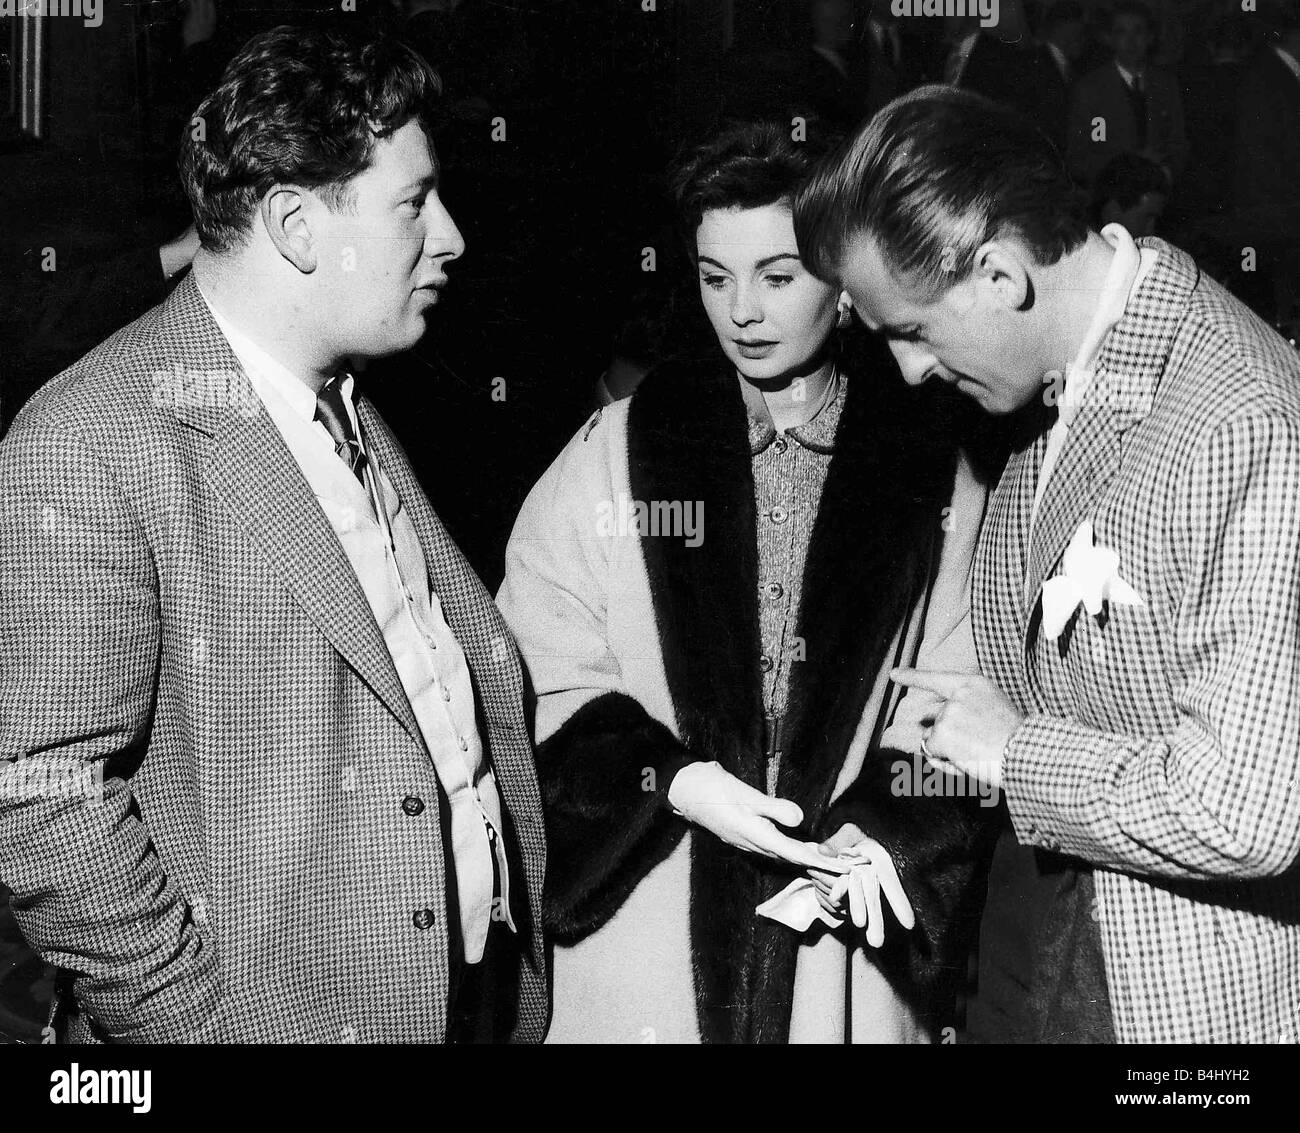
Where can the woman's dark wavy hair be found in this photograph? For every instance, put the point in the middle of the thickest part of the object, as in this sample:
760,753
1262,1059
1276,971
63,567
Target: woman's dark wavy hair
929,179
301,106
745,165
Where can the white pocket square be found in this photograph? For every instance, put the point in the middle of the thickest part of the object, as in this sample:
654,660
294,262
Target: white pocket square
1089,575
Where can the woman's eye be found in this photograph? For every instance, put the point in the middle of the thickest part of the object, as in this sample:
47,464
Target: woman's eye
780,280
715,281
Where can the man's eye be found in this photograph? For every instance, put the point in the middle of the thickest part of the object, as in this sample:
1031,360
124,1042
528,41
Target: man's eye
416,203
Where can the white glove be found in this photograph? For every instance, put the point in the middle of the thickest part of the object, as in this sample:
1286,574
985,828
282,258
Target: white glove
872,873
707,795
820,896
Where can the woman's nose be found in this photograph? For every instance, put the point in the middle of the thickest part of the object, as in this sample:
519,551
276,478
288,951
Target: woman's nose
744,307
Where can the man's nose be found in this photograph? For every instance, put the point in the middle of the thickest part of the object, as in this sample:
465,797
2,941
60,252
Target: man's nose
443,239
916,364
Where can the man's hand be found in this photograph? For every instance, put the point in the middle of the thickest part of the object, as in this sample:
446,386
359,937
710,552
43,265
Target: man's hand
971,730
863,884
713,798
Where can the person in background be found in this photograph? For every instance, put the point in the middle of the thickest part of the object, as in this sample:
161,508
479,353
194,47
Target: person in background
1126,105
1003,63
1267,183
1131,191
1212,79
713,712
836,81
1061,45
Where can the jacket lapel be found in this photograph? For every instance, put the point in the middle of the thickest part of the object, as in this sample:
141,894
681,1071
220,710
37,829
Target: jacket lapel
249,467
1128,373
1086,465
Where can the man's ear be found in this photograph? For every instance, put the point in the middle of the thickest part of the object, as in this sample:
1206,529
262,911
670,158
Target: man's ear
1000,268
284,213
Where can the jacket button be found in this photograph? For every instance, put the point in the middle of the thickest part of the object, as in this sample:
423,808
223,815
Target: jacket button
423,918
413,805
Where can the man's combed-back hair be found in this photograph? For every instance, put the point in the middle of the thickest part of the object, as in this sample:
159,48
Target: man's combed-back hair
929,179
746,165
298,106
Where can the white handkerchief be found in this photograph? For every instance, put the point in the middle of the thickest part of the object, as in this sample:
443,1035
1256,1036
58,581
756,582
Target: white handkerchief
1089,574
796,906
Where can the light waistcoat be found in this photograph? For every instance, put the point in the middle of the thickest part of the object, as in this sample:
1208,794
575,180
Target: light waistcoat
381,544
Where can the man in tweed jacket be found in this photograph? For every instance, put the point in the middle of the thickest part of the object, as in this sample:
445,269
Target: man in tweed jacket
1136,595
200,603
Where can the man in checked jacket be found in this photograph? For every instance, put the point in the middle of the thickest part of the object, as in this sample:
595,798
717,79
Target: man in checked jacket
1136,591
313,815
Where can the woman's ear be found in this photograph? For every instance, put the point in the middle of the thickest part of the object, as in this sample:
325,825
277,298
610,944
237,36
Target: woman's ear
284,215
1000,269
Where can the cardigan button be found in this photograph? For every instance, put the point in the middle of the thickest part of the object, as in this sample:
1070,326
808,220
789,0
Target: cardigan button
765,663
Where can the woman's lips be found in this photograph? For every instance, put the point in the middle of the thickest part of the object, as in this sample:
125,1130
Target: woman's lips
755,348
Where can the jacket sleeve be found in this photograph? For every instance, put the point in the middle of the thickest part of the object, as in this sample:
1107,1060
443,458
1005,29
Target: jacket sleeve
79,648
1217,794
604,764
939,843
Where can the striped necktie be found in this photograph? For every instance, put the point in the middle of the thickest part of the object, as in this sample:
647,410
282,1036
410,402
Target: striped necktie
333,414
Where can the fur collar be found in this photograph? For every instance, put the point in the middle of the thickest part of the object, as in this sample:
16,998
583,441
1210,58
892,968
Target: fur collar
874,545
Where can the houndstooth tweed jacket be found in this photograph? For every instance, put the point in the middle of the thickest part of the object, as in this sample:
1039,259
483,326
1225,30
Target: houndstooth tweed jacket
176,612
1162,742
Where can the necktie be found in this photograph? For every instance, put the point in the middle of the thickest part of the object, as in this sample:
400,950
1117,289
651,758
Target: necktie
1138,100
333,414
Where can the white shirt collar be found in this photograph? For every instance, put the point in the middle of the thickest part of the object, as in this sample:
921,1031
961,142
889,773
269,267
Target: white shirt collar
1129,267
264,370
1292,64
831,57
1062,63
1127,75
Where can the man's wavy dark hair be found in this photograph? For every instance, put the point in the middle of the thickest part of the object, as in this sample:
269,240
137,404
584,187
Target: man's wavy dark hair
297,106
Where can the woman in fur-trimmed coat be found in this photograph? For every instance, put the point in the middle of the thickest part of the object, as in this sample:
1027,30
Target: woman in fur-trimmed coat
802,546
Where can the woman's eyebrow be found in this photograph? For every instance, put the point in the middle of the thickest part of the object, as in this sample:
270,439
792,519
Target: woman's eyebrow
766,261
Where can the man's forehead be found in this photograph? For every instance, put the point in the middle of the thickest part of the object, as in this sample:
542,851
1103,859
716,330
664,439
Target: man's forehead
877,294
406,152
